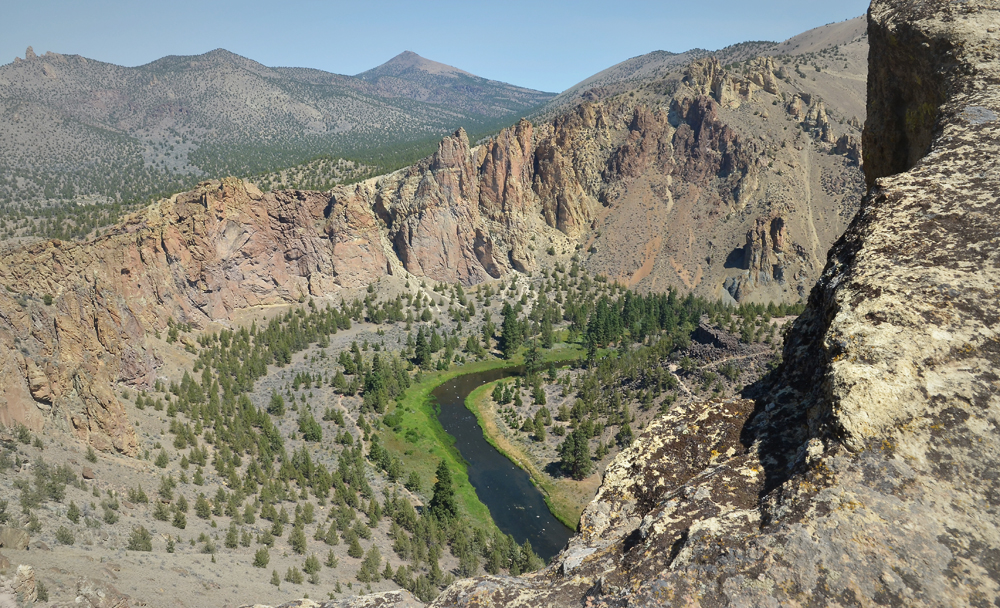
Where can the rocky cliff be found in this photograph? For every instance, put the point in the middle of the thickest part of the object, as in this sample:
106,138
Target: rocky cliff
863,472
76,317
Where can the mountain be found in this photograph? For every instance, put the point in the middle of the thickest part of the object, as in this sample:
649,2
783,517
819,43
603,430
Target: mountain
71,126
410,75
860,472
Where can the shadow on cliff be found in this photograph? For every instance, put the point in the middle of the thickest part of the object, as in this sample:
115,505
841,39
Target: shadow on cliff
790,408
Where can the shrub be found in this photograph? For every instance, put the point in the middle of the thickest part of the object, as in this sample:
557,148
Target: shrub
140,540
294,575
297,539
64,536
73,514
261,558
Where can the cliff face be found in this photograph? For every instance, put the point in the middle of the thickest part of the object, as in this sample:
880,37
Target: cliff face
863,472
195,257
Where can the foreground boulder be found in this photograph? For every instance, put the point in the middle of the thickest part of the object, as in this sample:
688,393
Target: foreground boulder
864,471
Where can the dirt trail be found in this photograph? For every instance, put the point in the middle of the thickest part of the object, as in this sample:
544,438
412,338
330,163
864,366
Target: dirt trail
807,183
673,372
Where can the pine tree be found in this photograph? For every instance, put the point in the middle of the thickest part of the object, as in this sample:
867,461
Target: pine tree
232,536
312,565
73,514
355,549
443,503
574,452
421,351
261,558
297,540
511,332
277,405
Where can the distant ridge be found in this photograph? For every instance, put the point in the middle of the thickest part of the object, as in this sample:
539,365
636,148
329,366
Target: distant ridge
72,127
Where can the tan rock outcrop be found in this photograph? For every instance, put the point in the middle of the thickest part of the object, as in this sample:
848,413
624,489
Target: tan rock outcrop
850,146
761,73
731,89
24,584
386,599
92,593
14,538
764,257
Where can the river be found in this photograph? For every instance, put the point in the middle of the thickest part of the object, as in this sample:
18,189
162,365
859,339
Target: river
516,505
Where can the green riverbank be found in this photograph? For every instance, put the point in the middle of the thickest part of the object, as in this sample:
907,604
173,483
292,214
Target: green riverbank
561,496
421,442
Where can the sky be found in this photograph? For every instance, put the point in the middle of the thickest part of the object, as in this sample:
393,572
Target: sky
545,45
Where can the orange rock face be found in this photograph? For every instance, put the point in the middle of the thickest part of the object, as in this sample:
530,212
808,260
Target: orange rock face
195,257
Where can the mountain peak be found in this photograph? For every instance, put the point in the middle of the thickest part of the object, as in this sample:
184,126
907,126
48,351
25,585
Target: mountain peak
408,61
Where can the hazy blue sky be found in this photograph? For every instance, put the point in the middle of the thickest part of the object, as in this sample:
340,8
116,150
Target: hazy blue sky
538,44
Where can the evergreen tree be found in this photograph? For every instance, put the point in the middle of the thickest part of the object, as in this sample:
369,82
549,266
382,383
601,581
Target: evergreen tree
261,558
574,453
355,549
443,502
436,343
277,405
548,336
421,350
624,436
511,332
297,540
532,358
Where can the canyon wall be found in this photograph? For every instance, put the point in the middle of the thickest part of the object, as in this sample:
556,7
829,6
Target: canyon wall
76,316
863,471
